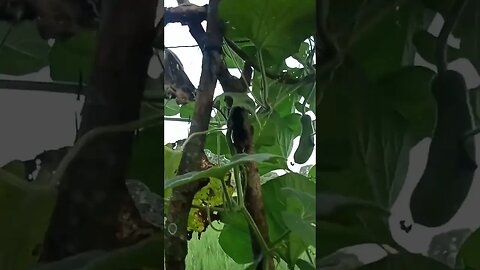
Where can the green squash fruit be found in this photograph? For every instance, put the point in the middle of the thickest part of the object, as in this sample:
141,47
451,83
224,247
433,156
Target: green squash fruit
451,163
306,143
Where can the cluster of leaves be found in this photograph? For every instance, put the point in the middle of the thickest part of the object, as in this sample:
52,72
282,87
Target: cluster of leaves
376,105
289,198
275,108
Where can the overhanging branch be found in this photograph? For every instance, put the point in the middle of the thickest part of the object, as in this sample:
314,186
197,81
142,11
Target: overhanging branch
61,87
185,14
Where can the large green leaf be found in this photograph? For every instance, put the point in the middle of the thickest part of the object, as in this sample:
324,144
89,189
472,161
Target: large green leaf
24,51
298,207
338,208
70,57
26,209
405,261
384,45
235,238
274,134
409,93
217,171
364,131
280,96
268,23
335,236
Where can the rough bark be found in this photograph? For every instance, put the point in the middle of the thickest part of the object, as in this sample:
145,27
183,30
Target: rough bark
94,209
193,158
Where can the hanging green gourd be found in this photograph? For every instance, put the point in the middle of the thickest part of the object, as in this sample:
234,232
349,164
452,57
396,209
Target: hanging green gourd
306,143
451,164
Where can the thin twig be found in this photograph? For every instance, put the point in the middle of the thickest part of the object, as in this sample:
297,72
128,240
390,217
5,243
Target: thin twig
94,134
448,25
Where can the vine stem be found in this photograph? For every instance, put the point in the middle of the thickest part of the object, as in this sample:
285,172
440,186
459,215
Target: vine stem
447,28
255,229
309,96
200,133
264,80
94,134
5,37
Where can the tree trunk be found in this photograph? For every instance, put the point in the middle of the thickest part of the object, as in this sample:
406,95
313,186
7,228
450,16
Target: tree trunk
94,209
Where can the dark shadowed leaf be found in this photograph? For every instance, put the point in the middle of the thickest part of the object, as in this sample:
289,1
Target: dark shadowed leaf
268,23
405,261
24,51
70,57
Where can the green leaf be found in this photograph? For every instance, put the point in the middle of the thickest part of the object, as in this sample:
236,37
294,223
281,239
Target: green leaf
24,51
340,261
186,110
337,236
27,209
300,226
171,107
384,45
76,262
405,261
313,172
278,207
281,97
409,93
146,162
16,167
304,265
217,171
268,23
337,208
469,250
211,143
144,255
300,219
70,57
275,135
361,138
235,237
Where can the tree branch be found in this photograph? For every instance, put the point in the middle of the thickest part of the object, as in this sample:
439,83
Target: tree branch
194,158
185,14
58,87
